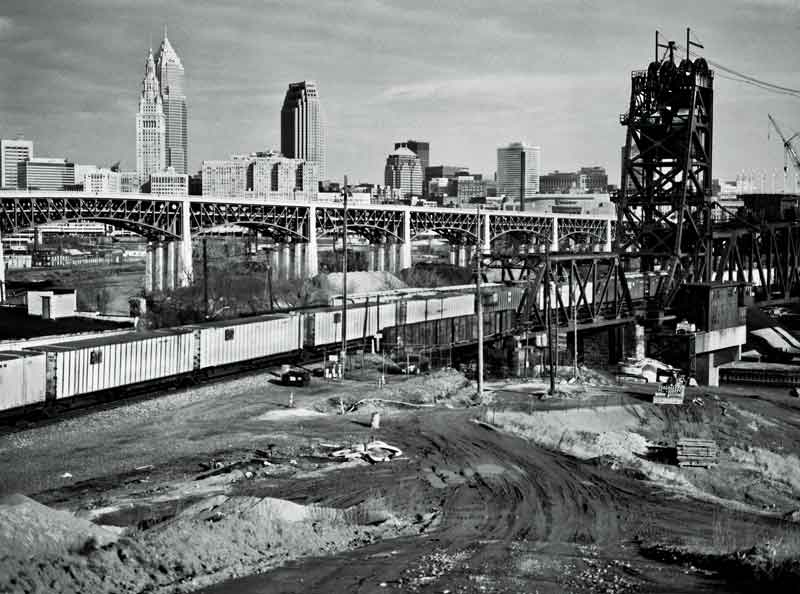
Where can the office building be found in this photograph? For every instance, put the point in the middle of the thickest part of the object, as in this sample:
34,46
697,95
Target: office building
169,183
101,181
225,178
264,175
13,152
271,176
131,181
303,127
518,166
170,75
403,172
422,150
150,124
45,174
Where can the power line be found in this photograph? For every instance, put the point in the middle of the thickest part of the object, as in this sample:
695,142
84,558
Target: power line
737,76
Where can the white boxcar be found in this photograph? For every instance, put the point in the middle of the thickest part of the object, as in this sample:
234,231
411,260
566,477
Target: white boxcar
324,327
22,379
233,341
88,366
455,306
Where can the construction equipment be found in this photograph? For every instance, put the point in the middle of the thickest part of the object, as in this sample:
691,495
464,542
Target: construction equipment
788,147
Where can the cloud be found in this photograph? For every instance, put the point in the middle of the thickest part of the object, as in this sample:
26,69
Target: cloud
6,27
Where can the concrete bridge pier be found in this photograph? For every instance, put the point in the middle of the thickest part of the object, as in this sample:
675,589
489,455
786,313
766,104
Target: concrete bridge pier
148,268
170,276
393,257
312,253
453,255
185,264
298,260
273,261
405,246
158,269
554,236
371,257
462,256
285,265
381,257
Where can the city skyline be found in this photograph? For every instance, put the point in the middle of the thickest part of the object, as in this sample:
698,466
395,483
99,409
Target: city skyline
465,94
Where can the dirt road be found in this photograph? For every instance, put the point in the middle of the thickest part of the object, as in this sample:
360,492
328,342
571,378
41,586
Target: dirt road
512,518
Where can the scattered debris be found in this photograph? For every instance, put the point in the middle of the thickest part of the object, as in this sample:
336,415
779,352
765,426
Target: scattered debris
384,401
374,451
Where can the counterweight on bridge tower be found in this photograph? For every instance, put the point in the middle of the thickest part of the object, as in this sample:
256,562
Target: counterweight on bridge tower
664,203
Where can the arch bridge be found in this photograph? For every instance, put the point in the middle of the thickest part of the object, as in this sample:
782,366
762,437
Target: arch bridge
169,223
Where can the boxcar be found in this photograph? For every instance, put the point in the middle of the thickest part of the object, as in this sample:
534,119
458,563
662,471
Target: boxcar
95,365
22,379
236,341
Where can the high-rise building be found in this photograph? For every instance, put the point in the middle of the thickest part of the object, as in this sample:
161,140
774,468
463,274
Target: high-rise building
150,124
169,71
422,150
13,152
403,172
303,127
518,166
45,174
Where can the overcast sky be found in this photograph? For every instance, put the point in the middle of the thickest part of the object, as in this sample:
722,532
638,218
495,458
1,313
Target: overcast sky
467,76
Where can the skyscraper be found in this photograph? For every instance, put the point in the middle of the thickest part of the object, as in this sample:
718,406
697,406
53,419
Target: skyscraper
421,149
169,71
403,172
518,168
150,124
302,125
13,152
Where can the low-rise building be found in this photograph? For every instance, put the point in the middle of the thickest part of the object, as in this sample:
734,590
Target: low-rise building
169,183
45,174
101,181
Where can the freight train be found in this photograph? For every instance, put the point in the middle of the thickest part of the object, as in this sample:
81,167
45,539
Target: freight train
46,374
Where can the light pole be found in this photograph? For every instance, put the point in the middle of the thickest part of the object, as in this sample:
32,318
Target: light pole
479,299
344,275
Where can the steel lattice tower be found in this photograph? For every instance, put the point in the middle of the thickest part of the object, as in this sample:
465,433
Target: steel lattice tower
664,202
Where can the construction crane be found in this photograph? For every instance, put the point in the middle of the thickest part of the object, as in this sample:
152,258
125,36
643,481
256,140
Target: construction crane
788,147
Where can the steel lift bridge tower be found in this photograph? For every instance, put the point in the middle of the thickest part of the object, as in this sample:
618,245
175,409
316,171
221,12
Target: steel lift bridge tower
664,203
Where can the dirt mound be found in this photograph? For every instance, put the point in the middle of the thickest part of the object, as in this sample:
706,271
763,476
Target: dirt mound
322,287
31,529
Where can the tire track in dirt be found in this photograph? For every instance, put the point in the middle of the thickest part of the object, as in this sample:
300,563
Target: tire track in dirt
494,492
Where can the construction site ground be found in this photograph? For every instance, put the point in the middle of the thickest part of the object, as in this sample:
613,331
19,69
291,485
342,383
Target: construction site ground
226,488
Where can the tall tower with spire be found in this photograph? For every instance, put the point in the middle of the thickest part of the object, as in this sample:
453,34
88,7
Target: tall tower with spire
169,71
150,124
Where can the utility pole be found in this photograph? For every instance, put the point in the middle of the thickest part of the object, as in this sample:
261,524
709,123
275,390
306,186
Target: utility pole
205,275
549,322
344,276
479,299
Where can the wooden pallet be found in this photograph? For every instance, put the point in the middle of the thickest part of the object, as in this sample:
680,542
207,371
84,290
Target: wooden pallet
697,452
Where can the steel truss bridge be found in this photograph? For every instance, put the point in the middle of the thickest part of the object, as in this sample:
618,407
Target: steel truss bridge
166,221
